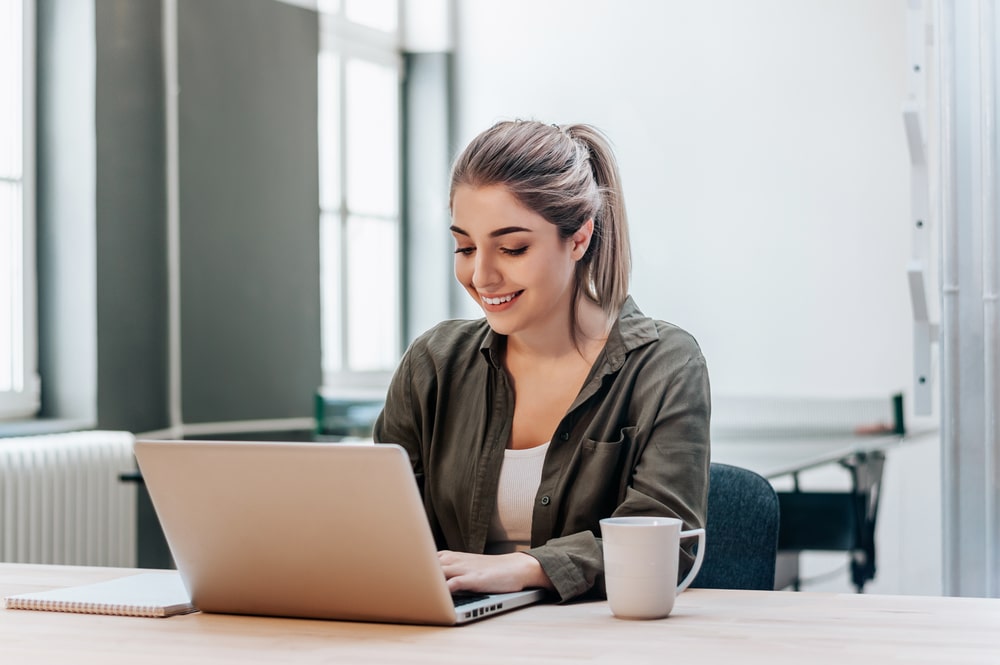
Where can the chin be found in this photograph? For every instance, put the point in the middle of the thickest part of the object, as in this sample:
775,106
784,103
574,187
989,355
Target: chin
503,323
498,326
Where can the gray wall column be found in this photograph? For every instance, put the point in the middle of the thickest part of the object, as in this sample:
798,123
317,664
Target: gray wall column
428,256
249,210
66,209
131,217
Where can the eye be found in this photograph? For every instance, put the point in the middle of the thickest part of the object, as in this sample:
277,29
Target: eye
514,252
465,251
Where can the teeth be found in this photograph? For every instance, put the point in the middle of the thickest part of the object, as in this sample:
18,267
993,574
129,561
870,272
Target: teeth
498,301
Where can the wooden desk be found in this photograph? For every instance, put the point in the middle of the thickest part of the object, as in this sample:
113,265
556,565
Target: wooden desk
707,626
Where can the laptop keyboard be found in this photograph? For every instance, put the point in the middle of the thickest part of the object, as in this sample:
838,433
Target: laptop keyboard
465,597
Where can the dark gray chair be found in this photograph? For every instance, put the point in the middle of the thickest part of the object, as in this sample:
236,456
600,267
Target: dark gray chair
741,531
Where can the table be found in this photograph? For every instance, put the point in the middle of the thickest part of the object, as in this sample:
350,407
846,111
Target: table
777,457
707,626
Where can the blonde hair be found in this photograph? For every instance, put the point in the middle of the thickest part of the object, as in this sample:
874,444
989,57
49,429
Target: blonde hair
568,175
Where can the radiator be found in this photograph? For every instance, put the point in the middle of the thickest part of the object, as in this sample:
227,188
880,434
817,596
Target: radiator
61,501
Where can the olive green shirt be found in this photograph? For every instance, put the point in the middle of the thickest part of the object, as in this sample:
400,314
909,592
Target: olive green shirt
634,442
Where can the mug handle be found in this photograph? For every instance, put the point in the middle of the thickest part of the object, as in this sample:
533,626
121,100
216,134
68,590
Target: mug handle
697,558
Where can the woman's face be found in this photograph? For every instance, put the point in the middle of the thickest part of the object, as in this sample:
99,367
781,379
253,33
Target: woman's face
512,261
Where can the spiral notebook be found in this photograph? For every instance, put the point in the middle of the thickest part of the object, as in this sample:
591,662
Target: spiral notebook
159,594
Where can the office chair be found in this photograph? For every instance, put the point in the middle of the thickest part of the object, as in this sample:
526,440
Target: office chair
741,531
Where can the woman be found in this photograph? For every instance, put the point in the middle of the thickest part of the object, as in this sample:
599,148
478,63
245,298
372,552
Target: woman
564,405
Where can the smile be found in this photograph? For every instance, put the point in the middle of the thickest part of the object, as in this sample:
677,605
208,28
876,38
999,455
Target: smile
500,300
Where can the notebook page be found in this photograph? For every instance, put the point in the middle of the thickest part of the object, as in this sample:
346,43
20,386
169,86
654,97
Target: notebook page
158,594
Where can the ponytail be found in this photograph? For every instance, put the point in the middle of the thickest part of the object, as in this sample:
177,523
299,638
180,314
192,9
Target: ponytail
607,275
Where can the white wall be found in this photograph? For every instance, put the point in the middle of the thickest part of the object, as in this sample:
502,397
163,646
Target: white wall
767,179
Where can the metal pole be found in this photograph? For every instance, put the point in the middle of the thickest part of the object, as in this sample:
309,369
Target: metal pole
991,280
171,92
950,379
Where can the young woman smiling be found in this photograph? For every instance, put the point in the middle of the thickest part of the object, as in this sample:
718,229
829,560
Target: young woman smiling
565,404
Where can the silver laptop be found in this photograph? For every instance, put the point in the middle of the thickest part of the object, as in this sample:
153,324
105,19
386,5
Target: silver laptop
325,531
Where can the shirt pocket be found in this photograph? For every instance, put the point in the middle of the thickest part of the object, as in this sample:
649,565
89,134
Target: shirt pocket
605,448
600,479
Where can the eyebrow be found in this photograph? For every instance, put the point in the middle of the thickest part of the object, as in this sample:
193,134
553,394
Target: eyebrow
495,233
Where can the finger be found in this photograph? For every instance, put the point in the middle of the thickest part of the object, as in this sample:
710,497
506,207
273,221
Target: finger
457,584
451,564
450,571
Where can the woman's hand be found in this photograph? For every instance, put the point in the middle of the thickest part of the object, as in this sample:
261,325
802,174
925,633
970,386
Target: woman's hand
492,573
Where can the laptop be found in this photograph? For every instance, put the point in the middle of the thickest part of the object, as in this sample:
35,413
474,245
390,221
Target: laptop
323,531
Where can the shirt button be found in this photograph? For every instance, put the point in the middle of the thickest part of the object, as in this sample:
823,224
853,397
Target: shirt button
546,500
564,436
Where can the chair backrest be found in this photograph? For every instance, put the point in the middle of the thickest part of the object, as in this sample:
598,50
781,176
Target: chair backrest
741,531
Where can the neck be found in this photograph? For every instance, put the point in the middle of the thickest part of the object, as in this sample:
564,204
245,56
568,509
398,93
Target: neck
584,337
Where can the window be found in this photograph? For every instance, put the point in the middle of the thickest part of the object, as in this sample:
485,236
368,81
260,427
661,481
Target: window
360,229
18,378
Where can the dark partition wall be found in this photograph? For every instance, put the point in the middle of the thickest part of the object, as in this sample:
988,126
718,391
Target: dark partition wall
249,212
249,209
131,201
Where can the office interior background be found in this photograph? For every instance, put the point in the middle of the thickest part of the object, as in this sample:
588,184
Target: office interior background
239,203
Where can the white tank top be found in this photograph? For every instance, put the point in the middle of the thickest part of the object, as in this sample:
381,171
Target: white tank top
510,528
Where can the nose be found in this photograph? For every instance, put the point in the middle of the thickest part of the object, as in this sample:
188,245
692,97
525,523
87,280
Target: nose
485,274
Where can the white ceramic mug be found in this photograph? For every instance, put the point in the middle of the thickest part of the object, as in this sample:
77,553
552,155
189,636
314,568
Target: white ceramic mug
641,564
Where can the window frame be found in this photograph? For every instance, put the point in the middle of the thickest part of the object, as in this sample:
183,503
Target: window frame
24,400
347,41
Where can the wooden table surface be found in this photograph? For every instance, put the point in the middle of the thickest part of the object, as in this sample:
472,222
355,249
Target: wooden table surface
707,626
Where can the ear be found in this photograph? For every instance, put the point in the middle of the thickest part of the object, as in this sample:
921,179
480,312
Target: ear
581,239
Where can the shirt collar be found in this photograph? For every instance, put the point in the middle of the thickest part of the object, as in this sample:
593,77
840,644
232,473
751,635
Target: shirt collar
632,330
492,347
